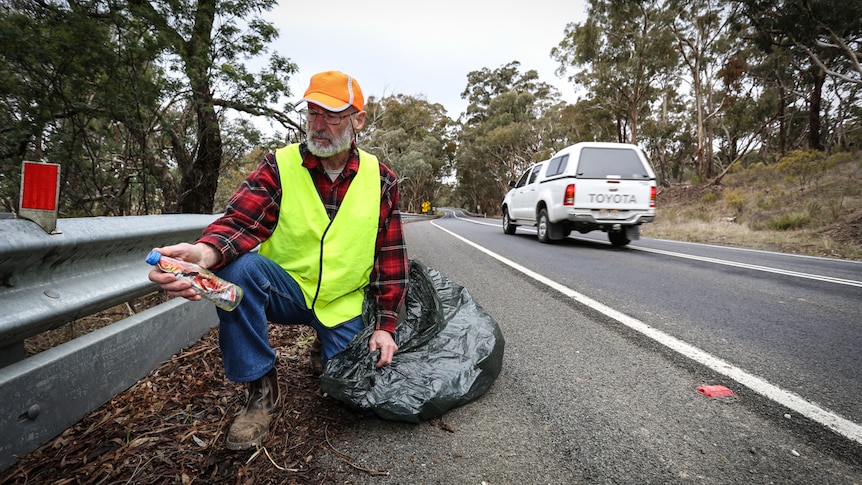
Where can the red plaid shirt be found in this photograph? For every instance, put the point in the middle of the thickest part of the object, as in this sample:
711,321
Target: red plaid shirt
252,214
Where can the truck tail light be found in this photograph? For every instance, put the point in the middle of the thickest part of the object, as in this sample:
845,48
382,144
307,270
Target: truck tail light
652,198
569,198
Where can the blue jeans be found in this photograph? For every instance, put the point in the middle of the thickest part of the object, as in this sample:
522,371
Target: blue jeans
270,294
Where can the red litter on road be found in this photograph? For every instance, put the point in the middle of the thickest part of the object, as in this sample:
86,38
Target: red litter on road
716,392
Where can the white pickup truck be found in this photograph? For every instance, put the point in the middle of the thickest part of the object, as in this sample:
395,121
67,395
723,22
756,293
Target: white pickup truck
585,187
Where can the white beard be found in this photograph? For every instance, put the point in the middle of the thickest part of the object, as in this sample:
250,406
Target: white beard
337,143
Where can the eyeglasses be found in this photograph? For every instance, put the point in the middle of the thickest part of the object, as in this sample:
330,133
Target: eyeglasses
329,118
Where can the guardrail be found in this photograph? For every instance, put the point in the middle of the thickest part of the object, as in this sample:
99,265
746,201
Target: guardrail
48,280
407,217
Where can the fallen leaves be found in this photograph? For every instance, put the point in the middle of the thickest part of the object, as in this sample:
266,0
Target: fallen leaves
169,427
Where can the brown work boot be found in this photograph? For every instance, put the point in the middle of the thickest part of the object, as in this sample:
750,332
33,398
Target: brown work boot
251,427
314,356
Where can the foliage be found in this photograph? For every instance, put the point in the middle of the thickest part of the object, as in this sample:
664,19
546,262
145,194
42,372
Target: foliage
786,222
69,76
147,105
667,138
818,43
413,138
802,167
709,198
504,132
734,199
130,96
245,148
625,55
827,32
707,43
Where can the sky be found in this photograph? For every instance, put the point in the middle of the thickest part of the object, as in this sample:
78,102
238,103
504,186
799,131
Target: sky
422,49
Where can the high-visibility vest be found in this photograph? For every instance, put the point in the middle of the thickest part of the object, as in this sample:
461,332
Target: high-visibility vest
331,260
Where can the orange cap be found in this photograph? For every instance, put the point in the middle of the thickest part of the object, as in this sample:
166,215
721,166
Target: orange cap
334,91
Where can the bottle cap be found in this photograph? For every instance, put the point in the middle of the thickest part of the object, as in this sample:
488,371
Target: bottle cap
154,257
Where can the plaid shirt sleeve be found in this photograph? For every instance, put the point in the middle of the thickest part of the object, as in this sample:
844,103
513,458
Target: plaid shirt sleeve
391,266
252,213
250,216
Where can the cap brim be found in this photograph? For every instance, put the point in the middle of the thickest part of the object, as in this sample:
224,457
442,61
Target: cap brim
324,100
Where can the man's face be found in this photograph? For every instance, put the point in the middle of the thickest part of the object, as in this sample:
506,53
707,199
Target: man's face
328,133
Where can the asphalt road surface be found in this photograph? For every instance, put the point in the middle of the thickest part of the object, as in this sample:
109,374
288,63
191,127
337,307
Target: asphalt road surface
605,349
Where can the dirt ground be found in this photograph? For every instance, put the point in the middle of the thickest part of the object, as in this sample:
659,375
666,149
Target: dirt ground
170,427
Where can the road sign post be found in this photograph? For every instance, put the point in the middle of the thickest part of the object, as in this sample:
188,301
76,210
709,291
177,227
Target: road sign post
40,194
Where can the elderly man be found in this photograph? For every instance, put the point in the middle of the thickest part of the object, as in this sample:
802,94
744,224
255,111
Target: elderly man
325,216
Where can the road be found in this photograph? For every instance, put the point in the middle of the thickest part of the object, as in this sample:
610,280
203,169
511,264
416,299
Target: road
605,350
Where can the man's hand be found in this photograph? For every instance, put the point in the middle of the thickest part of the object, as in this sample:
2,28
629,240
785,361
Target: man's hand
201,254
381,339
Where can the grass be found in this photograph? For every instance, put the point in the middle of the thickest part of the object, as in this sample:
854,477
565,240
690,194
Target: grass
806,203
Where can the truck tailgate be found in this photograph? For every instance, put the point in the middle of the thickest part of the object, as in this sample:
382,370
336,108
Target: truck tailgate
611,198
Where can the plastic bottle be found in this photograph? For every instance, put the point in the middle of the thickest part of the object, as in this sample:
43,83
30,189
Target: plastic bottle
224,294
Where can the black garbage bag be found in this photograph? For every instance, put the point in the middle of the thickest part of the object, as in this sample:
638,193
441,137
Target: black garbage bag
450,351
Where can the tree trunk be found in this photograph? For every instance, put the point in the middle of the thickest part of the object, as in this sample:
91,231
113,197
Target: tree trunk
782,122
700,154
200,184
708,136
198,189
814,108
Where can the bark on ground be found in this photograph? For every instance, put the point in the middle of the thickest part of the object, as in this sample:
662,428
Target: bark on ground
170,427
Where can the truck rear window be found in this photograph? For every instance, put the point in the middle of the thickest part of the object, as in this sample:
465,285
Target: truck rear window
600,163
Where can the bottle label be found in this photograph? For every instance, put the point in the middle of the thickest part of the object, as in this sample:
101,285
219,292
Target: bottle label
224,294
209,287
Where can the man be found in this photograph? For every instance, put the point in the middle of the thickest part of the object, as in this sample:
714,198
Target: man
325,215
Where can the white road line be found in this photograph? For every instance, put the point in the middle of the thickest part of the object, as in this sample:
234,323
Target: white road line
829,279
755,267
827,418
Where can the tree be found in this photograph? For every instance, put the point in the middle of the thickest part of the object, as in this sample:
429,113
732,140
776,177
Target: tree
666,139
704,41
823,38
203,40
131,97
484,85
623,56
79,88
413,138
244,149
565,124
502,134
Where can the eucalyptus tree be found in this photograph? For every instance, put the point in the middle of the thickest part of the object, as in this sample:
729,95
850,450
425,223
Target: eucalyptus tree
78,86
131,96
415,139
623,55
829,32
706,41
205,43
502,133
819,37
244,149
565,124
846,116
666,138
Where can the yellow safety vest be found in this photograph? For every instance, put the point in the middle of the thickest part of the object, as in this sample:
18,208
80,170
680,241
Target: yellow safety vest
331,260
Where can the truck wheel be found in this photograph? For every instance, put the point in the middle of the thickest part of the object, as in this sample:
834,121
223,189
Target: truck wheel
543,227
508,227
618,238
